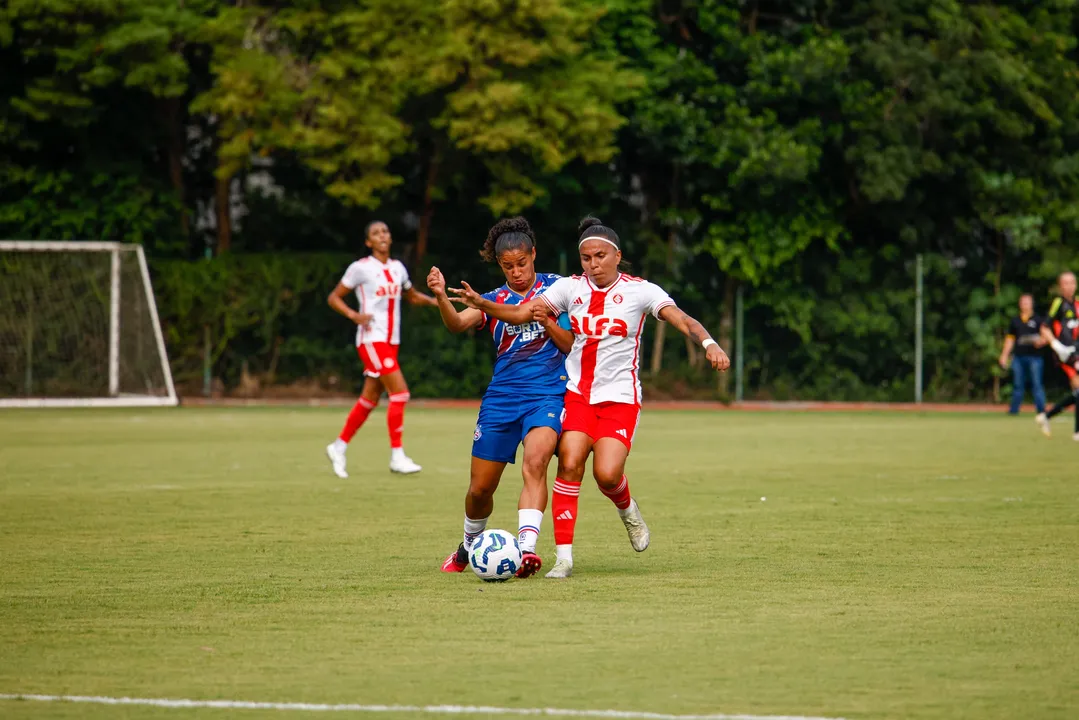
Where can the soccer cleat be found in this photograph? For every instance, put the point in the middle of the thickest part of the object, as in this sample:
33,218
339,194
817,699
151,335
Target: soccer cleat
561,569
1042,420
635,527
530,564
404,466
457,561
1076,437
337,459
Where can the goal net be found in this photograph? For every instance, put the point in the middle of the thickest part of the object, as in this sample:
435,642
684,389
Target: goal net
79,327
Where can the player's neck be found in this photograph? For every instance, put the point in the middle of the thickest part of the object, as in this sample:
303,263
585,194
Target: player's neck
381,257
607,285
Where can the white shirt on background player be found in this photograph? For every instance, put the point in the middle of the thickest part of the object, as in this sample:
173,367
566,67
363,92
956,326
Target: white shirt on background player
604,363
378,288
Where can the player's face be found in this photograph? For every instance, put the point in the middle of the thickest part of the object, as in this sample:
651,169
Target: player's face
1026,305
519,267
378,238
599,260
1067,285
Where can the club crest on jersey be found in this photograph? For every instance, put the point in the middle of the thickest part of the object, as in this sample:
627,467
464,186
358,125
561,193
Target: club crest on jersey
478,434
598,326
617,299
393,290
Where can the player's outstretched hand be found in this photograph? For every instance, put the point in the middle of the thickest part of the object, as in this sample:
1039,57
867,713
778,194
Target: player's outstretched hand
717,358
436,282
466,296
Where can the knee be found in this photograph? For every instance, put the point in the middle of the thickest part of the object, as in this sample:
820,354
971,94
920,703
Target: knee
607,477
571,468
479,490
401,397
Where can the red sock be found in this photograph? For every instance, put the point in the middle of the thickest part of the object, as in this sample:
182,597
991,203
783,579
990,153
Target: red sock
395,418
620,495
564,510
356,418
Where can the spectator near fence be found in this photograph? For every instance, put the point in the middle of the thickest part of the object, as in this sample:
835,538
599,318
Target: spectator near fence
1024,337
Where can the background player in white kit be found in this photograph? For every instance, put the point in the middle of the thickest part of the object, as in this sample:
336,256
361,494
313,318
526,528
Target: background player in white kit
607,309
380,283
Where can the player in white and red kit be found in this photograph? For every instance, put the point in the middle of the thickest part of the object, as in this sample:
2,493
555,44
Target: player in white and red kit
380,284
607,310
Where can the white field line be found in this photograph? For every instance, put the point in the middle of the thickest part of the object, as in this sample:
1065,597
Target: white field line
431,709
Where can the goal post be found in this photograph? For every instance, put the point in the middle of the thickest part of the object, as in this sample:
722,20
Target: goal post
79,327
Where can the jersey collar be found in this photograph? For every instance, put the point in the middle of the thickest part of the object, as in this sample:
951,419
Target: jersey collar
592,285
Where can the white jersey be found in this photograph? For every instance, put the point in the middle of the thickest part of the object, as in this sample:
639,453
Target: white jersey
604,363
379,288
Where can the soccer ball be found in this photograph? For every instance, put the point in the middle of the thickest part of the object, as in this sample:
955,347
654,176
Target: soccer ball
495,555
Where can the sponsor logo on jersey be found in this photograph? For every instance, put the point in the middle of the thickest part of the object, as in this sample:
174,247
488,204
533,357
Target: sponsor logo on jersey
578,301
392,291
598,326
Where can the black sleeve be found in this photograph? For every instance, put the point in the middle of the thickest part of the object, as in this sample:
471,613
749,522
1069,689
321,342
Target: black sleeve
1014,328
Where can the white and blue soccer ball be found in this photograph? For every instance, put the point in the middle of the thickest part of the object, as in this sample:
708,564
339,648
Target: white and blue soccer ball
495,555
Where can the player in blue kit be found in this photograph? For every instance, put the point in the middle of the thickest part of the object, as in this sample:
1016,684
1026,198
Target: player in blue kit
523,402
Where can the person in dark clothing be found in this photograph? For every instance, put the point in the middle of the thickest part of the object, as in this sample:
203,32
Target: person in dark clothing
1025,339
1061,331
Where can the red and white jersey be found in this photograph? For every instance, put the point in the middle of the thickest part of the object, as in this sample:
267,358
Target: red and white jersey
604,363
378,289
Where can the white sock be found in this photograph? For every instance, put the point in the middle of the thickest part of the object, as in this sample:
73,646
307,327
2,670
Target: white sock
528,528
340,445
564,552
397,454
632,506
472,529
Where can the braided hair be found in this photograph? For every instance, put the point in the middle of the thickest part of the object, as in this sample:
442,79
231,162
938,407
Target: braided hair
508,234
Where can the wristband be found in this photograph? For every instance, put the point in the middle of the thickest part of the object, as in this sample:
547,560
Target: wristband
708,343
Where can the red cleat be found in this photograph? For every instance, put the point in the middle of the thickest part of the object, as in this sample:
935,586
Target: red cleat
530,564
457,562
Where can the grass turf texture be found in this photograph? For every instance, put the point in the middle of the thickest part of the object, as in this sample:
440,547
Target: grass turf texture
902,567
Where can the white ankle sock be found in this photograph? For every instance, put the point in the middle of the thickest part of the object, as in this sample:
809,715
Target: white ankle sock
340,445
564,552
397,454
528,528
472,529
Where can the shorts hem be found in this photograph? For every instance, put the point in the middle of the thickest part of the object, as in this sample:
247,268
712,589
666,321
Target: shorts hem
488,458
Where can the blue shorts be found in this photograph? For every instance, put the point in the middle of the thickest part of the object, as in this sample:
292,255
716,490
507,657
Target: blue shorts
504,422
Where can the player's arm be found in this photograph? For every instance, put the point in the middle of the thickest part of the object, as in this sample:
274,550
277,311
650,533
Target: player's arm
1009,343
560,336
336,300
696,332
415,297
511,314
455,320
1062,351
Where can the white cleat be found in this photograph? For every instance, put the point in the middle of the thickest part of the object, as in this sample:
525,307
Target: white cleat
1076,437
562,569
337,459
404,466
635,527
1043,424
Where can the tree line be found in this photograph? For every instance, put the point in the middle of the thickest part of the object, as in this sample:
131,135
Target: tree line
804,151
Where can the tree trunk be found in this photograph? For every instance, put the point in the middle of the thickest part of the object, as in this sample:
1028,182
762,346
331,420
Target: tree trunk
996,303
222,213
428,213
176,147
661,329
726,329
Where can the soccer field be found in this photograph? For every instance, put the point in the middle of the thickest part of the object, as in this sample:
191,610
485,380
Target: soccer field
902,566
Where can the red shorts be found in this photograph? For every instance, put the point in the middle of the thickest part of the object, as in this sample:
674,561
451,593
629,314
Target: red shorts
378,358
1069,370
605,420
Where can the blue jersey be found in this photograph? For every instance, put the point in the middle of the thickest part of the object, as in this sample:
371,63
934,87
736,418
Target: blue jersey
528,363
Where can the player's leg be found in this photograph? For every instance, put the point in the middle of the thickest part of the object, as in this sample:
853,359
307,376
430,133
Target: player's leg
1035,367
1018,376
539,446
615,431
1073,379
372,391
479,503
397,389
573,449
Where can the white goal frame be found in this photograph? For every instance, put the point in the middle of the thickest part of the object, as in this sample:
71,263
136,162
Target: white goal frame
115,399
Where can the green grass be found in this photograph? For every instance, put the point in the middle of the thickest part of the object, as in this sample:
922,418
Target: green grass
902,567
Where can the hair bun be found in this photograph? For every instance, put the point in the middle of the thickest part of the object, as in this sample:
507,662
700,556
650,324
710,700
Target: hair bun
587,223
